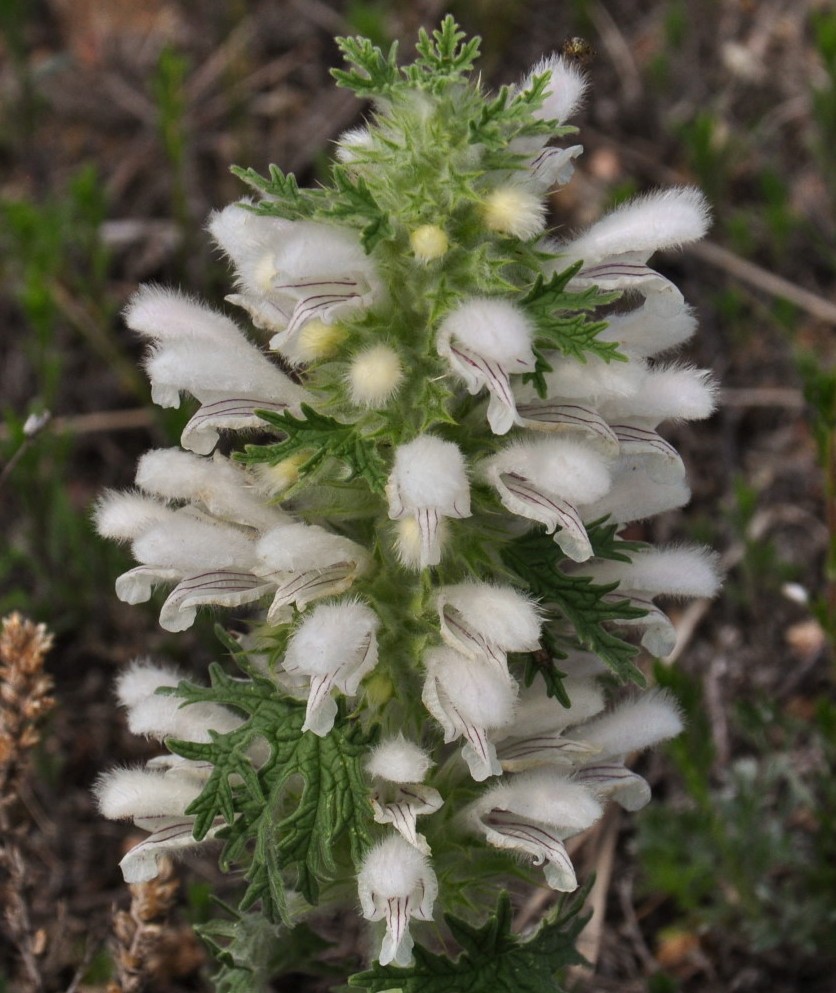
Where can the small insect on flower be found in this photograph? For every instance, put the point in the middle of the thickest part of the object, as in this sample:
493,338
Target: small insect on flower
578,50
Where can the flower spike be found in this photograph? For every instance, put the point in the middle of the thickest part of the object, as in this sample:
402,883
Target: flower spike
409,471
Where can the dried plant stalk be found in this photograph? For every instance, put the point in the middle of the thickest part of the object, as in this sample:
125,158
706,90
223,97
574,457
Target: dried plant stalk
148,949
25,698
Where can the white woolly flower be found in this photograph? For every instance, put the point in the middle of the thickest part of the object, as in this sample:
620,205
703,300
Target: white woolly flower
199,351
293,272
550,165
396,883
162,716
469,698
398,767
215,485
481,619
428,482
208,561
306,563
534,814
333,649
615,250
639,489
156,801
537,735
581,741
575,392
487,340
665,393
676,572
549,481
632,726
205,549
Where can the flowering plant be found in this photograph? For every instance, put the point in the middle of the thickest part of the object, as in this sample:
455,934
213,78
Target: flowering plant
449,416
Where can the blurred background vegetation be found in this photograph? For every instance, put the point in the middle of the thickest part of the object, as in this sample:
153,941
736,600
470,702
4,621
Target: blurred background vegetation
118,121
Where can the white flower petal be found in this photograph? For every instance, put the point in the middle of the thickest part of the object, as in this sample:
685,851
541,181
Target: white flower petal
611,781
140,864
644,225
221,589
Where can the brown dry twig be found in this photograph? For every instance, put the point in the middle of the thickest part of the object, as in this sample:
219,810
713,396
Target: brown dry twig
148,948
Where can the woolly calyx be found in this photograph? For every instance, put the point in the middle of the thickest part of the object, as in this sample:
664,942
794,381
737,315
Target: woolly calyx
318,340
515,211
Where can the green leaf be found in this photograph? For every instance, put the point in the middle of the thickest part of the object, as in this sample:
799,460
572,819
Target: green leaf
583,603
320,438
374,73
443,55
560,317
295,811
354,201
493,959
285,197
603,536
545,663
